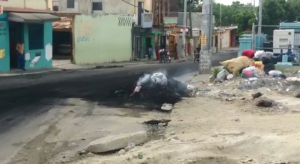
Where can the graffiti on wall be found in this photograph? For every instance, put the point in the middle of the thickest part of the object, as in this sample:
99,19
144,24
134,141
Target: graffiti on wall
85,31
3,30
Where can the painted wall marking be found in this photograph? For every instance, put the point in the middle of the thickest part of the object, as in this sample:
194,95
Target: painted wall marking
82,39
205,60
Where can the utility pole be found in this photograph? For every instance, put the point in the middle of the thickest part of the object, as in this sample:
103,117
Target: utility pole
220,15
211,26
184,29
190,18
206,53
260,16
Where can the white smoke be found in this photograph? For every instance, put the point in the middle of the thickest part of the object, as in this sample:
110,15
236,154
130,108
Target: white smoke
144,79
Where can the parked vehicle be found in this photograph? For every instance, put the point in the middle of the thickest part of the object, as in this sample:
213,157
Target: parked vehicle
164,56
65,49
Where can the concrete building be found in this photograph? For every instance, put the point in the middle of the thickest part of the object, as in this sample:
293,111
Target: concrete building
29,21
87,7
102,33
226,37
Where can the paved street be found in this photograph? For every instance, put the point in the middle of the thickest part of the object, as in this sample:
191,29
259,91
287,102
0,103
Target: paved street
25,99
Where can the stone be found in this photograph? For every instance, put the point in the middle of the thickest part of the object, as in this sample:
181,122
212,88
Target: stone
166,107
173,133
116,142
122,152
130,146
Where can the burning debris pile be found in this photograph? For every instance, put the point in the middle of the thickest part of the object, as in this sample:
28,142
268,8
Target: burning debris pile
160,88
152,91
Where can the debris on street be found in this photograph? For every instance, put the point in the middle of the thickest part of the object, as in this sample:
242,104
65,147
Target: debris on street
256,95
165,122
264,103
167,107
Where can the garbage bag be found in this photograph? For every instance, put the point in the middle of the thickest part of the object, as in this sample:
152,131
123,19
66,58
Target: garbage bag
235,65
254,70
248,53
275,73
247,74
230,76
221,76
159,78
258,54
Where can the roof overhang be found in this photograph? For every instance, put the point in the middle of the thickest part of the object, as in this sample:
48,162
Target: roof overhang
32,17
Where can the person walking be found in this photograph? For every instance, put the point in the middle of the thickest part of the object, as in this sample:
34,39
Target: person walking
20,55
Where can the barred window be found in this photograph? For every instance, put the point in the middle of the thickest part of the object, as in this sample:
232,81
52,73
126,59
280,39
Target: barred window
147,17
283,39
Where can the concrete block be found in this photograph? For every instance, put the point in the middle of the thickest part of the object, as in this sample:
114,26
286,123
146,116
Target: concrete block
116,142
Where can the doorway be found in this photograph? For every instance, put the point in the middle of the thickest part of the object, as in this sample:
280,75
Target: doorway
216,43
15,35
148,45
62,45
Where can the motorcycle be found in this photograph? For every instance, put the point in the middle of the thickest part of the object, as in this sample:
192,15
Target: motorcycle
164,56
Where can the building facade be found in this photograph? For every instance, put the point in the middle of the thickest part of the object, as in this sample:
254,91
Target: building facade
88,7
30,22
102,33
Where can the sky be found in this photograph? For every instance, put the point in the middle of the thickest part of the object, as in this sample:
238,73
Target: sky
228,2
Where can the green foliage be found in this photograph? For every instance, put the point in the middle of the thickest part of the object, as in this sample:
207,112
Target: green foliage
194,4
243,15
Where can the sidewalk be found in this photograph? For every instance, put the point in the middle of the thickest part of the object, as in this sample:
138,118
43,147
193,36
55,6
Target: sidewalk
66,65
227,51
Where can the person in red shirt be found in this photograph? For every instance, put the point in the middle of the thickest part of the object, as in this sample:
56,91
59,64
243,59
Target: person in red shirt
249,53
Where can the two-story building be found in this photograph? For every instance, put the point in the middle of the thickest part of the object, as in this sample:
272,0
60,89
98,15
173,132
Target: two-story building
149,30
30,22
102,33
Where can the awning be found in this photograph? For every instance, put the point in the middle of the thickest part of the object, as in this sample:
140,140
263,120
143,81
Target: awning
32,17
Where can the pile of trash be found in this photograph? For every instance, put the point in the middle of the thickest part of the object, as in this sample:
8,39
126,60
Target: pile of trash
261,65
161,88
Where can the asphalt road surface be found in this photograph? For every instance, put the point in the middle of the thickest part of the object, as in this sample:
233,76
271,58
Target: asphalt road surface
22,103
91,85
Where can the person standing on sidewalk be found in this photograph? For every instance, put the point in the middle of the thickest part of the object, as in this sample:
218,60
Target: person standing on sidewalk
157,50
20,55
150,52
175,52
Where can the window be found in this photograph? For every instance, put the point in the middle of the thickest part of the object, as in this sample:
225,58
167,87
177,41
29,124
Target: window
97,6
70,4
55,8
36,36
55,5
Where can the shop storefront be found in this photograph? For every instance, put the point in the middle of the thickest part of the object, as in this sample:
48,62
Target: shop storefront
34,30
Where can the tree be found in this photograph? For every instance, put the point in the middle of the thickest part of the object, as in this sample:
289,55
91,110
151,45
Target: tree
195,4
243,15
